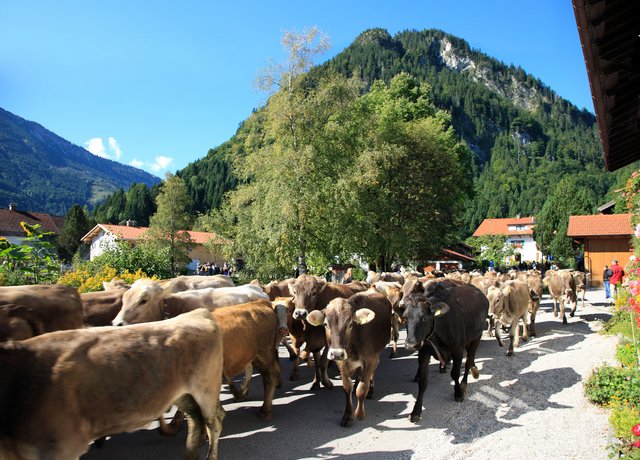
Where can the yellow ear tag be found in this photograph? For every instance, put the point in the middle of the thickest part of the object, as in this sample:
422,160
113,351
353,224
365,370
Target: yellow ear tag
438,312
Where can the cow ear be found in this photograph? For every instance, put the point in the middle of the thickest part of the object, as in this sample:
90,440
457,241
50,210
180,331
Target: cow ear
292,289
316,318
363,316
439,309
322,283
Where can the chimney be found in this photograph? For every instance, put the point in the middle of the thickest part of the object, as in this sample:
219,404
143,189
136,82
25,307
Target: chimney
13,207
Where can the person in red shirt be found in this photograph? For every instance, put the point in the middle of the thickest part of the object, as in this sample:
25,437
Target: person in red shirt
616,276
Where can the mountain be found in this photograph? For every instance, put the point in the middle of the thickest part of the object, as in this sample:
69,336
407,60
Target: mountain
43,172
525,137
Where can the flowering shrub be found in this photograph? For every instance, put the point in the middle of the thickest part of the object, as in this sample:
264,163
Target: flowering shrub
84,281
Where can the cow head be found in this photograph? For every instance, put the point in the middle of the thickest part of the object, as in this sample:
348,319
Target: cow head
305,291
420,314
496,301
140,304
339,321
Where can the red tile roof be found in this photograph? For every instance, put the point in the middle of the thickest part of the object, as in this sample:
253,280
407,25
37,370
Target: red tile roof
130,233
501,226
10,222
600,225
457,255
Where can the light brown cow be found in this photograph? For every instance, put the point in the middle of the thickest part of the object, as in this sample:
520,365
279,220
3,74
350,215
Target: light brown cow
314,293
581,283
393,292
562,288
41,308
356,331
62,390
147,301
509,304
534,282
184,283
276,289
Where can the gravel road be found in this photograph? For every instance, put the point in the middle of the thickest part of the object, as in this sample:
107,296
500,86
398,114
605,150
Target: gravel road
530,405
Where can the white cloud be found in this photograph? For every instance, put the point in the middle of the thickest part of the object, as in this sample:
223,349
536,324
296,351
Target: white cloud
136,163
161,163
113,143
96,146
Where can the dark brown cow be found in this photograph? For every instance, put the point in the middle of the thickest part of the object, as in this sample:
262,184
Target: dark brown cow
45,308
444,322
357,332
59,391
314,293
101,307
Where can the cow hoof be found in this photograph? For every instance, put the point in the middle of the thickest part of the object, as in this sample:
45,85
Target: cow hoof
328,384
443,369
459,398
510,353
475,373
265,416
564,320
279,384
315,386
415,418
555,314
572,314
392,355
346,422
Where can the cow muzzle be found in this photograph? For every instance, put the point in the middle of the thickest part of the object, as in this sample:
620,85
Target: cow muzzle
300,313
337,354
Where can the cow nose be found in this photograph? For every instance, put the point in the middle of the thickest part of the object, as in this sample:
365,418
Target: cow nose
337,354
299,313
118,322
412,346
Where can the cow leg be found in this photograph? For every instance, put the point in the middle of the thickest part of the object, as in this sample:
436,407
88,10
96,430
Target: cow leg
196,425
555,307
244,389
490,324
423,378
395,334
321,374
458,393
575,307
525,331
347,386
470,365
562,315
293,354
270,371
362,391
514,336
497,332
296,361
532,317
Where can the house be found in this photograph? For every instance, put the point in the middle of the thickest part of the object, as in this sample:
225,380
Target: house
518,232
11,229
455,257
103,236
605,237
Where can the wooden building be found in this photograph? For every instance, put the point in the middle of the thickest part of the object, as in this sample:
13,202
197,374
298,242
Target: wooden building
605,237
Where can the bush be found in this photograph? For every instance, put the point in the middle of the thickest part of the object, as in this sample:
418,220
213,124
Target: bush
85,281
623,418
627,355
609,384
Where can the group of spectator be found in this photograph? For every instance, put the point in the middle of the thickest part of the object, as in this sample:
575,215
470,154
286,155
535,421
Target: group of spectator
208,268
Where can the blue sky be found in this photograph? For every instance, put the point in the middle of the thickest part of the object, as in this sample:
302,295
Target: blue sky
156,84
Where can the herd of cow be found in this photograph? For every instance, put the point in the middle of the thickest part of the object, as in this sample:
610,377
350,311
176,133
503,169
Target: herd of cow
70,376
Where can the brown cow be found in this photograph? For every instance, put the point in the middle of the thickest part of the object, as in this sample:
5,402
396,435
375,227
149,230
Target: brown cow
509,304
250,334
393,291
62,390
101,307
534,281
42,308
356,330
276,289
314,293
185,283
562,288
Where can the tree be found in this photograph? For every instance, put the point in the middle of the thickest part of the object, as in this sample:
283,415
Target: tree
404,192
169,225
139,205
491,247
76,225
33,262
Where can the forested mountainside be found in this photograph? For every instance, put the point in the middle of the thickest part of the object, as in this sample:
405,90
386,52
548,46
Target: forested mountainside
43,172
525,137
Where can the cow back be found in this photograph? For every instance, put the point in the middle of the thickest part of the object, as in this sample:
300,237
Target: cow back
56,307
101,307
372,337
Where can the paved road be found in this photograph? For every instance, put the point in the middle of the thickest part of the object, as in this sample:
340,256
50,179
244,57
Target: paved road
529,405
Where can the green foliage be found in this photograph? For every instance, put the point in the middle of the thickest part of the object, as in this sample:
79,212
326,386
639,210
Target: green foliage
626,353
76,225
609,384
623,418
137,204
491,247
33,262
168,226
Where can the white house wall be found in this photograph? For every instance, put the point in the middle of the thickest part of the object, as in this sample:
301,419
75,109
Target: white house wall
100,243
528,250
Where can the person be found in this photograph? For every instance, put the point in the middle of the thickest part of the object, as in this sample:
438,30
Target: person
606,275
616,276
348,276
